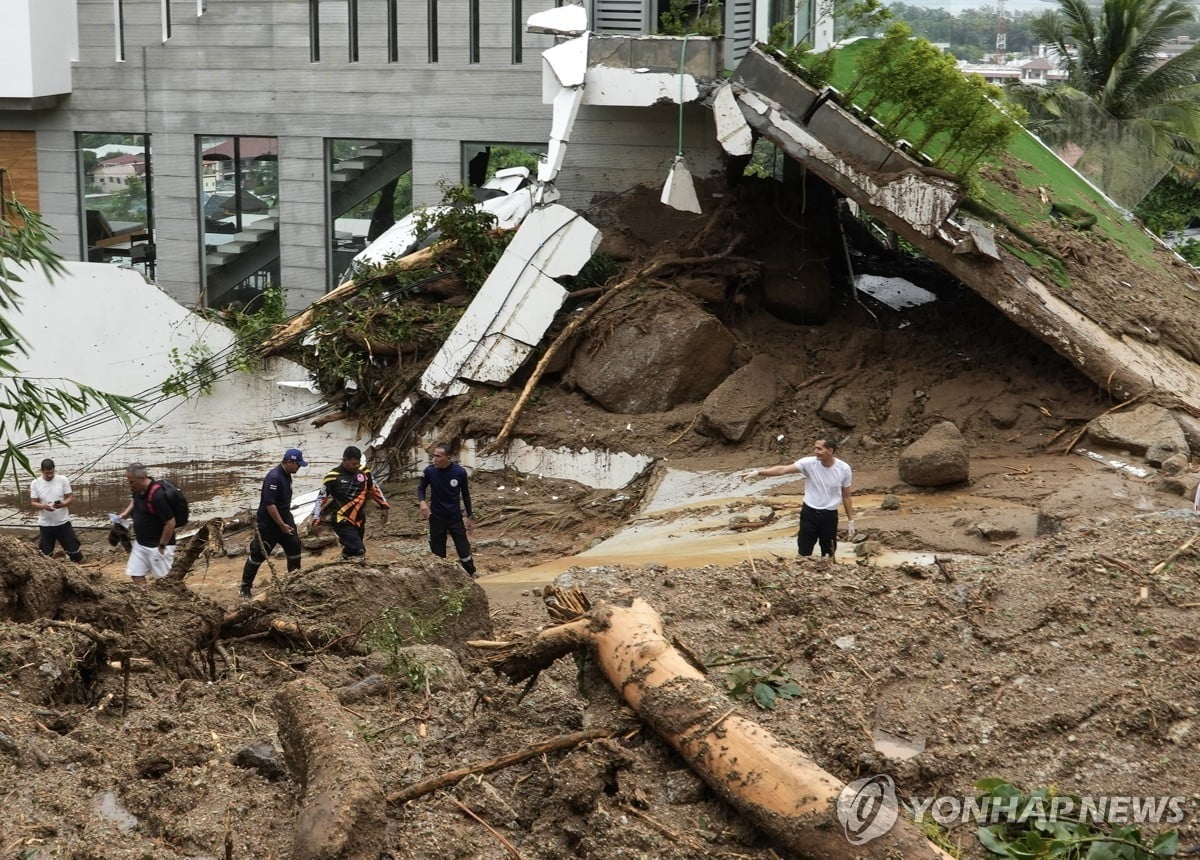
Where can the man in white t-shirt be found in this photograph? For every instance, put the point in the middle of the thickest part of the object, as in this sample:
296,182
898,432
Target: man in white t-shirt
826,486
51,496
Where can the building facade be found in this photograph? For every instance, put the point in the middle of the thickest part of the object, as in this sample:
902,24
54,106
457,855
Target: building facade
265,124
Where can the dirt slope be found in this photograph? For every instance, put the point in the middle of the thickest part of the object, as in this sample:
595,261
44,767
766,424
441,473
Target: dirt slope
1068,660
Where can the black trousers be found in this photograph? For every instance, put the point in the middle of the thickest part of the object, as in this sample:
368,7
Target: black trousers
817,525
64,534
351,537
457,529
268,537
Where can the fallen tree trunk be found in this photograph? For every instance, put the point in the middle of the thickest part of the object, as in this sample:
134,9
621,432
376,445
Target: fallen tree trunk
783,791
300,323
344,813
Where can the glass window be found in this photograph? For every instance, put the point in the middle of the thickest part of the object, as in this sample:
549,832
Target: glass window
239,210
369,189
115,183
482,160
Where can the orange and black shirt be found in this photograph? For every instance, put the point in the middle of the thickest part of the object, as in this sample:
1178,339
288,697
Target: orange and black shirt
344,496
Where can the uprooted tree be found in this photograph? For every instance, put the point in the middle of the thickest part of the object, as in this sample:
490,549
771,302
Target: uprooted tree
778,787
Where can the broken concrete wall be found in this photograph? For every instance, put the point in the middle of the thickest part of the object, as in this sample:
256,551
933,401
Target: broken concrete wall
106,327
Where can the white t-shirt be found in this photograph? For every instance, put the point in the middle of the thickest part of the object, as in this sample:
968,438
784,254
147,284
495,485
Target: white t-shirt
49,492
823,484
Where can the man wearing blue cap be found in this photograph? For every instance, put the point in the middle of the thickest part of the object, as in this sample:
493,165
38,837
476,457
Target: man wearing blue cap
274,524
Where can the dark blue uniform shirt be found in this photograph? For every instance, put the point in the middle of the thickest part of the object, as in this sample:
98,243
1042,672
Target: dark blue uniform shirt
277,491
445,486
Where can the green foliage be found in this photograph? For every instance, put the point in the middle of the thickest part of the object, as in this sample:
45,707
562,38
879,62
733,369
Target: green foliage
851,17
252,324
1190,251
971,33
918,93
596,272
478,245
398,629
32,406
1031,831
1170,206
763,688
195,370
691,17
1132,116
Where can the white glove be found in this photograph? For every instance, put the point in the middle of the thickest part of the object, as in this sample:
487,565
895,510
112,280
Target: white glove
850,530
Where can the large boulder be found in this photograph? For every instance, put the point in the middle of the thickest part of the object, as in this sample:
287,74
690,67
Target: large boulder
651,354
1146,429
936,459
734,407
844,408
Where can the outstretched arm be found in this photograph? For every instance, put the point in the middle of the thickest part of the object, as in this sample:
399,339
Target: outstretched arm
771,471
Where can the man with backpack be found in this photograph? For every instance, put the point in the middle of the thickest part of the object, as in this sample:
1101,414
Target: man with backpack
157,508
274,523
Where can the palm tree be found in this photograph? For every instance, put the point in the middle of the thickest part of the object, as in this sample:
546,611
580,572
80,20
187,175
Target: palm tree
1118,102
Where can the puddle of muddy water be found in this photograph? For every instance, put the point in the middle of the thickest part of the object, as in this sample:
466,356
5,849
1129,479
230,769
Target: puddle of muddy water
686,523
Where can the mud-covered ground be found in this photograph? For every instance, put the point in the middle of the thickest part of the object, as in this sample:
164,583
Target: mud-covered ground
956,644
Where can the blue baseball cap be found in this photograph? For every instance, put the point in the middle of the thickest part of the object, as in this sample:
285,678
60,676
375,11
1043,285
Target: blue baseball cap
294,454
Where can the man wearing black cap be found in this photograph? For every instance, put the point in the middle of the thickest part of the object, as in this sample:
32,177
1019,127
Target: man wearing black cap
50,495
274,524
343,502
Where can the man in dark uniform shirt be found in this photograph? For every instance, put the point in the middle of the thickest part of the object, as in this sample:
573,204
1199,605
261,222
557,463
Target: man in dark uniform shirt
447,482
274,524
343,502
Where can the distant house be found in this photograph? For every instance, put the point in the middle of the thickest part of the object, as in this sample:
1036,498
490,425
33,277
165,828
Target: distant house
113,174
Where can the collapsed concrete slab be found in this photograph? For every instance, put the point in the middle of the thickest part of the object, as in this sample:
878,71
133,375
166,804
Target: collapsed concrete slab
919,204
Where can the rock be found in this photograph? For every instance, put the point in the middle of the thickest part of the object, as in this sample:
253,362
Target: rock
844,408
436,663
1076,498
261,756
1166,449
1139,430
707,289
734,407
1190,427
1174,464
652,355
991,531
890,502
937,459
1003,414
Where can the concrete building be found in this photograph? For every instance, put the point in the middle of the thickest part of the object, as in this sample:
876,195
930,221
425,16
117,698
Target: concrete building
298,113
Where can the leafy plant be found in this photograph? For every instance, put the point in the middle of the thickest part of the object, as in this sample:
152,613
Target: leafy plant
195,370
762,688
691,17
477,244
396,629
35,406
1038,825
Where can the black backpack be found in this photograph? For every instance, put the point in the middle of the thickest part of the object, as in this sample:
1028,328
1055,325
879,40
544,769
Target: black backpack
175,498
